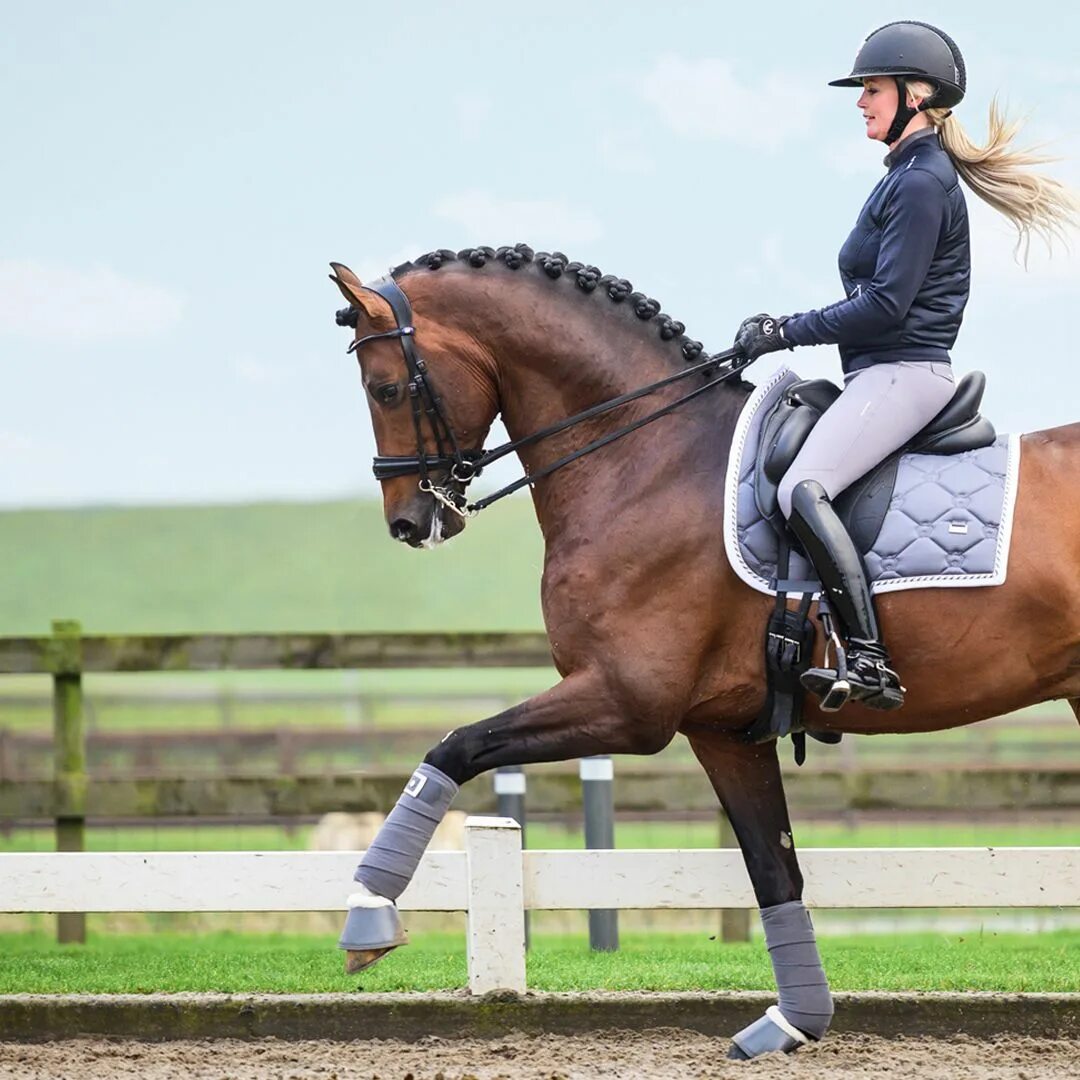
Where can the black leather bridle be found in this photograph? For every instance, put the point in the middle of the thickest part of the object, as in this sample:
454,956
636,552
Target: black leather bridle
460,466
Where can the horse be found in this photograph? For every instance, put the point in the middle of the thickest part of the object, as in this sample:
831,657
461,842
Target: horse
651,631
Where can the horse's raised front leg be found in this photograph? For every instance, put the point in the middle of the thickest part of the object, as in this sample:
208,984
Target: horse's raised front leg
747,780
579,717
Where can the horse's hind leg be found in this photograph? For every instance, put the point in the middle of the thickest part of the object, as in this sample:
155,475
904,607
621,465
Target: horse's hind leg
1075,703
747,780
579,717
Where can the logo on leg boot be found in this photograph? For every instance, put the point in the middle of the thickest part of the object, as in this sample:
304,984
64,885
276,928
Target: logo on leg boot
416,784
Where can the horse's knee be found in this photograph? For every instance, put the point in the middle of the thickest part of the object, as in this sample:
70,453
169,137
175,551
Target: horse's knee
453,757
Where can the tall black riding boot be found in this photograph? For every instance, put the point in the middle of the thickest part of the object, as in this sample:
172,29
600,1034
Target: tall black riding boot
843,576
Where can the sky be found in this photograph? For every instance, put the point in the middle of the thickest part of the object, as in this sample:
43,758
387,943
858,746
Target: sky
175,178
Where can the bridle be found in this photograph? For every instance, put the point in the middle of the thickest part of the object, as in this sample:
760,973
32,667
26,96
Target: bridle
460,466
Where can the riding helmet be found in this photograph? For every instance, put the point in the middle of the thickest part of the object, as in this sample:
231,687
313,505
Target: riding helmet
913,49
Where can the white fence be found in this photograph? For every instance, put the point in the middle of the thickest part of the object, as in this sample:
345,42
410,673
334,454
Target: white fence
494,881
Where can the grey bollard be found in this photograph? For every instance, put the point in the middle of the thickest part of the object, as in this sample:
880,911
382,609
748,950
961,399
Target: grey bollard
510,802
597,776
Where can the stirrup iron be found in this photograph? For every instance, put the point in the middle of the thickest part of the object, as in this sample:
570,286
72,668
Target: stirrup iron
837,695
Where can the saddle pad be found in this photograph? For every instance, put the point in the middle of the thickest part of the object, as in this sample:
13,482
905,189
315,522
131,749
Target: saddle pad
948,525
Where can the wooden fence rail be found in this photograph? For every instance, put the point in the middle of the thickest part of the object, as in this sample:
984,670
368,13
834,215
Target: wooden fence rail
495,882
67,654
637,789
69,796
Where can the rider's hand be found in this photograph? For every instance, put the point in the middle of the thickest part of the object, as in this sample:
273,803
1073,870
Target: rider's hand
761,334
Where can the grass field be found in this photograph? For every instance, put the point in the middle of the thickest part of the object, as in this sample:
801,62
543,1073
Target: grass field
327,566
31,963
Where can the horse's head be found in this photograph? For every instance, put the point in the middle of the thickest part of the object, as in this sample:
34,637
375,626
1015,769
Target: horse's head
432,395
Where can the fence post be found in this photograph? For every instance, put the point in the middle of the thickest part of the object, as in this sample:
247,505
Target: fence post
509,783
496,916
734,922
69,759
597,776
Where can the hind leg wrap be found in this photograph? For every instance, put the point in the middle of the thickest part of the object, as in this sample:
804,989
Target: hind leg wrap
390,863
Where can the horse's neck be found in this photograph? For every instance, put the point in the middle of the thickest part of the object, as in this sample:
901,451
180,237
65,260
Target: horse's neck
560,366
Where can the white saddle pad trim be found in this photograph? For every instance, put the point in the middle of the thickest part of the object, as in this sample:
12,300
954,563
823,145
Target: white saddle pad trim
931,581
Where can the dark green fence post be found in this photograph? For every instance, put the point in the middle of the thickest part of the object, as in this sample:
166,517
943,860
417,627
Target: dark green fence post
734,922
69,759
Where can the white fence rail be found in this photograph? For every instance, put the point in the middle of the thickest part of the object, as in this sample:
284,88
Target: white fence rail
494,881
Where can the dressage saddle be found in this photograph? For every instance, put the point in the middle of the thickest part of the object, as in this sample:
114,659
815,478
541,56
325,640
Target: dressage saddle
789,635
957,428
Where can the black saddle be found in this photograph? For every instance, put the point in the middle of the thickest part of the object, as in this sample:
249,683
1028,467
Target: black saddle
958,427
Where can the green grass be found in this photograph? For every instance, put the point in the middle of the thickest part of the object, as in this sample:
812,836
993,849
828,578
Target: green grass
31,963
327,566
628,834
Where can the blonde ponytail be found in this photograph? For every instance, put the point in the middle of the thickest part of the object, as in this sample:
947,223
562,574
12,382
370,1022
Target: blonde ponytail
1002,175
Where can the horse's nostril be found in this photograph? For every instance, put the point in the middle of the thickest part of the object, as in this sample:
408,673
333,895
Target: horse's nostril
403,529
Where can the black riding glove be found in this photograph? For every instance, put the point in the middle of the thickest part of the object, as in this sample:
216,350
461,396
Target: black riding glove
761,334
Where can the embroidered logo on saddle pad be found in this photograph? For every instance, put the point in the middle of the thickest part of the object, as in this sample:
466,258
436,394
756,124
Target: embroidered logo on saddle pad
947,525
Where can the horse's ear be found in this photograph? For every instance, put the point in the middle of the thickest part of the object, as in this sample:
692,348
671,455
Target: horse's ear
353,291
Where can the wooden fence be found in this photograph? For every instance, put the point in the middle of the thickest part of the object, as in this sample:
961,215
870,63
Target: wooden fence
495,883
70,795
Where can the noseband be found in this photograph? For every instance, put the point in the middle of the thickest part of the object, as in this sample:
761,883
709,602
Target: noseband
461,467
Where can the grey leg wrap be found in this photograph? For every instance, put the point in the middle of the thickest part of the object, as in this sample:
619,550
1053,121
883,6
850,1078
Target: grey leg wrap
389,864
805,1007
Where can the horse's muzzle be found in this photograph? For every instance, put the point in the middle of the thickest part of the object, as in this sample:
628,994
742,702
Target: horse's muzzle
422,523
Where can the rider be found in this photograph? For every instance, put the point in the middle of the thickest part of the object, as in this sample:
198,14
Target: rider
905,270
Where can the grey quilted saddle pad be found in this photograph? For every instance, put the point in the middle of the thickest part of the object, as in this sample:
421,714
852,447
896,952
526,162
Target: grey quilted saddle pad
948,525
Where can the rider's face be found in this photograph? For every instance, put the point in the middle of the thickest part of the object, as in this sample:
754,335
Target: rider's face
878,106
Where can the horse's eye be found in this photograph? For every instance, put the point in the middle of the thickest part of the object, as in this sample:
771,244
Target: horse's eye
387,394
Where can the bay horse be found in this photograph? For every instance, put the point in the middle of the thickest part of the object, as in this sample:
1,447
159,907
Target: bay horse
651,631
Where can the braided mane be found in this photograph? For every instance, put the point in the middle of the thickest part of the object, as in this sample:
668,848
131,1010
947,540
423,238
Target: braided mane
555,265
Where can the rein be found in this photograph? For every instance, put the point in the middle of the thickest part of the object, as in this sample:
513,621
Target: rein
463,466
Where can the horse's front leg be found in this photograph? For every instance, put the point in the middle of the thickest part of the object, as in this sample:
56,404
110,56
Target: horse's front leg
581,716
748,782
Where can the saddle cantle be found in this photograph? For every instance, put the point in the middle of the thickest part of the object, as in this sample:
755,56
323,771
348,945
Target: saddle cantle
957,428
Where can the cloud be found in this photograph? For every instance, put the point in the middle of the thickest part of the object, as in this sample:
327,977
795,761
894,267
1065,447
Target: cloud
56,302
486,218
704,99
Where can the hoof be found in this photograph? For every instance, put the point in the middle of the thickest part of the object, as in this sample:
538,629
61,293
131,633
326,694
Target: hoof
357,960
372,929
769,1035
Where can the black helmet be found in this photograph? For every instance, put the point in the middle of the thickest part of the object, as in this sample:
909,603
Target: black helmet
912,48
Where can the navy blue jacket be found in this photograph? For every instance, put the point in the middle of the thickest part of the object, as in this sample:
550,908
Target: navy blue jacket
906,266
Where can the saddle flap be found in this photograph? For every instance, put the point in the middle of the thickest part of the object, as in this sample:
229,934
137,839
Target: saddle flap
787,441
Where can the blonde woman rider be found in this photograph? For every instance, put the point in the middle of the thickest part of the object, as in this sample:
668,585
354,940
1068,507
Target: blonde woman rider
905,269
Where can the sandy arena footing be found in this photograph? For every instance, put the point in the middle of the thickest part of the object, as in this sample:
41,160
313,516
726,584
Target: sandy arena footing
658,1054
